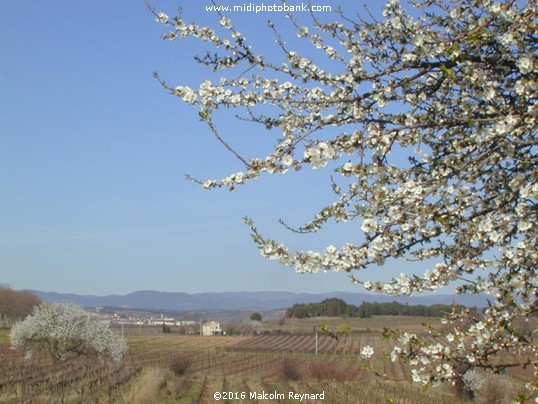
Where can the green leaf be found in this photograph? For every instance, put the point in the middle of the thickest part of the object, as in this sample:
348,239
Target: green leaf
445,70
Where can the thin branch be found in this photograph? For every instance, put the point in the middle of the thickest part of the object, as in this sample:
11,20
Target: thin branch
225,143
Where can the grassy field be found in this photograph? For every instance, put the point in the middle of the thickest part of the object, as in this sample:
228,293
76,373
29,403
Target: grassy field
171,368
4,337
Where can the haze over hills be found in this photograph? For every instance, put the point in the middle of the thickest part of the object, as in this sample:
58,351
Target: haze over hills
179,301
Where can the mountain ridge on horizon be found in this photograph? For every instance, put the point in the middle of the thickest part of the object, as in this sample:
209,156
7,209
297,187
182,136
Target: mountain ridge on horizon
269,300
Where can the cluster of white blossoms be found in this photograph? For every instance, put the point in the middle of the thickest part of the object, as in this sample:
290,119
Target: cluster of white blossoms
367,352
65,330
473,380
431,120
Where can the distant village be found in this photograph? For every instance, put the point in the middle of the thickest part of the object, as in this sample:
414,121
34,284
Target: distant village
144,322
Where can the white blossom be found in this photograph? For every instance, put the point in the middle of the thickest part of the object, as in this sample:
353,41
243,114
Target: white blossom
303,31
65,329
161,17
225,22
525,64
367,352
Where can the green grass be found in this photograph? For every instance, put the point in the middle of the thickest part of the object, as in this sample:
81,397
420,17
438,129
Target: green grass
4,337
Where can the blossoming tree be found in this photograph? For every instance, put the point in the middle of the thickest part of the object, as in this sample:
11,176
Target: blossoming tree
66,330
428,117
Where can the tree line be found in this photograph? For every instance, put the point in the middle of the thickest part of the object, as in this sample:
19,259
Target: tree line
15,305
335,307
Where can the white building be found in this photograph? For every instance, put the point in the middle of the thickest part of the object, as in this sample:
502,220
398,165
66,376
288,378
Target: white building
211,328
186,322
162,320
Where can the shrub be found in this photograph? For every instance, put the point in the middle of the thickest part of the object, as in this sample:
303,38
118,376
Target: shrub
180,365
343,329
289,369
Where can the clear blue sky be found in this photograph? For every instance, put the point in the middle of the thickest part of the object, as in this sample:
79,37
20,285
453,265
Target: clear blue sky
93,153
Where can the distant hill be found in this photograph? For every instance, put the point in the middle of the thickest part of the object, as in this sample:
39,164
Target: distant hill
179,301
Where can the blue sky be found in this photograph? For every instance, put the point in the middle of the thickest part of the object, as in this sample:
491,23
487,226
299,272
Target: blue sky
93,154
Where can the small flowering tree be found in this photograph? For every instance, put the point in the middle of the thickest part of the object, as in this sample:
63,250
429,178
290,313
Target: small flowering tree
66,330
428,116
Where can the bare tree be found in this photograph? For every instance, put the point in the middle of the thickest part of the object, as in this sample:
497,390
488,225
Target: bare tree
15,305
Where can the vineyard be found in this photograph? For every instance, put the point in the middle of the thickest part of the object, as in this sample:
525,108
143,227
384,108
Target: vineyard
191,369
346,344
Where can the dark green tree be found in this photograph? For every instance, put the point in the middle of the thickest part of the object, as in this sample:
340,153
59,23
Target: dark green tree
256,316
